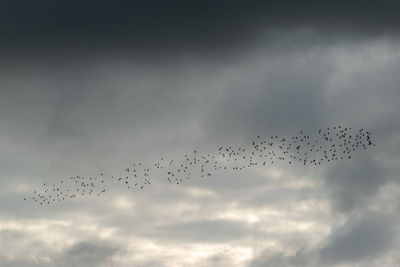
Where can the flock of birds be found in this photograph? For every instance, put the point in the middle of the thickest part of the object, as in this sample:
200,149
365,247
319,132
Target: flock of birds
326,145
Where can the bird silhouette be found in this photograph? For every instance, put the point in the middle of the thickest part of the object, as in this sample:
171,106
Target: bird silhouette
334,143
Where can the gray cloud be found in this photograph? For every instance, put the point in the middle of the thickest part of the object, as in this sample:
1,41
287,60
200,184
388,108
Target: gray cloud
63,116
282,88
206,231
217,260
363,239
267,258
181,24
353,185
88,253
360,239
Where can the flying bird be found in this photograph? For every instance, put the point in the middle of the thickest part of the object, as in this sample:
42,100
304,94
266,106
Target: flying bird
334,143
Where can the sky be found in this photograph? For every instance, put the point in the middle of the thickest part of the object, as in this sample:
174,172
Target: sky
89,88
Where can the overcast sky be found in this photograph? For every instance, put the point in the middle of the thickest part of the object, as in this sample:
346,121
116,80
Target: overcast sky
92,87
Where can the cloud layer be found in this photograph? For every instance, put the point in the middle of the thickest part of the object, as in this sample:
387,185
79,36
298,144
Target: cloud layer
195,78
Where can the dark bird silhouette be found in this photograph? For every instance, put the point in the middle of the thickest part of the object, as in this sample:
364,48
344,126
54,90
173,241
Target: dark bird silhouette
334,143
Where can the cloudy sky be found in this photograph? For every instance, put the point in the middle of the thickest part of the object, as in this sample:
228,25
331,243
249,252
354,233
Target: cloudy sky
92,87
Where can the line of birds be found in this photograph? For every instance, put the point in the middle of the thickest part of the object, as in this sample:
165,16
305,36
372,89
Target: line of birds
328,144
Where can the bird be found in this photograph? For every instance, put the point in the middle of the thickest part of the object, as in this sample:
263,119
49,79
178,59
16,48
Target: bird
334,143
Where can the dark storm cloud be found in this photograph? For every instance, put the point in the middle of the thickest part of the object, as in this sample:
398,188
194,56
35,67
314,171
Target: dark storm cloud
172,24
